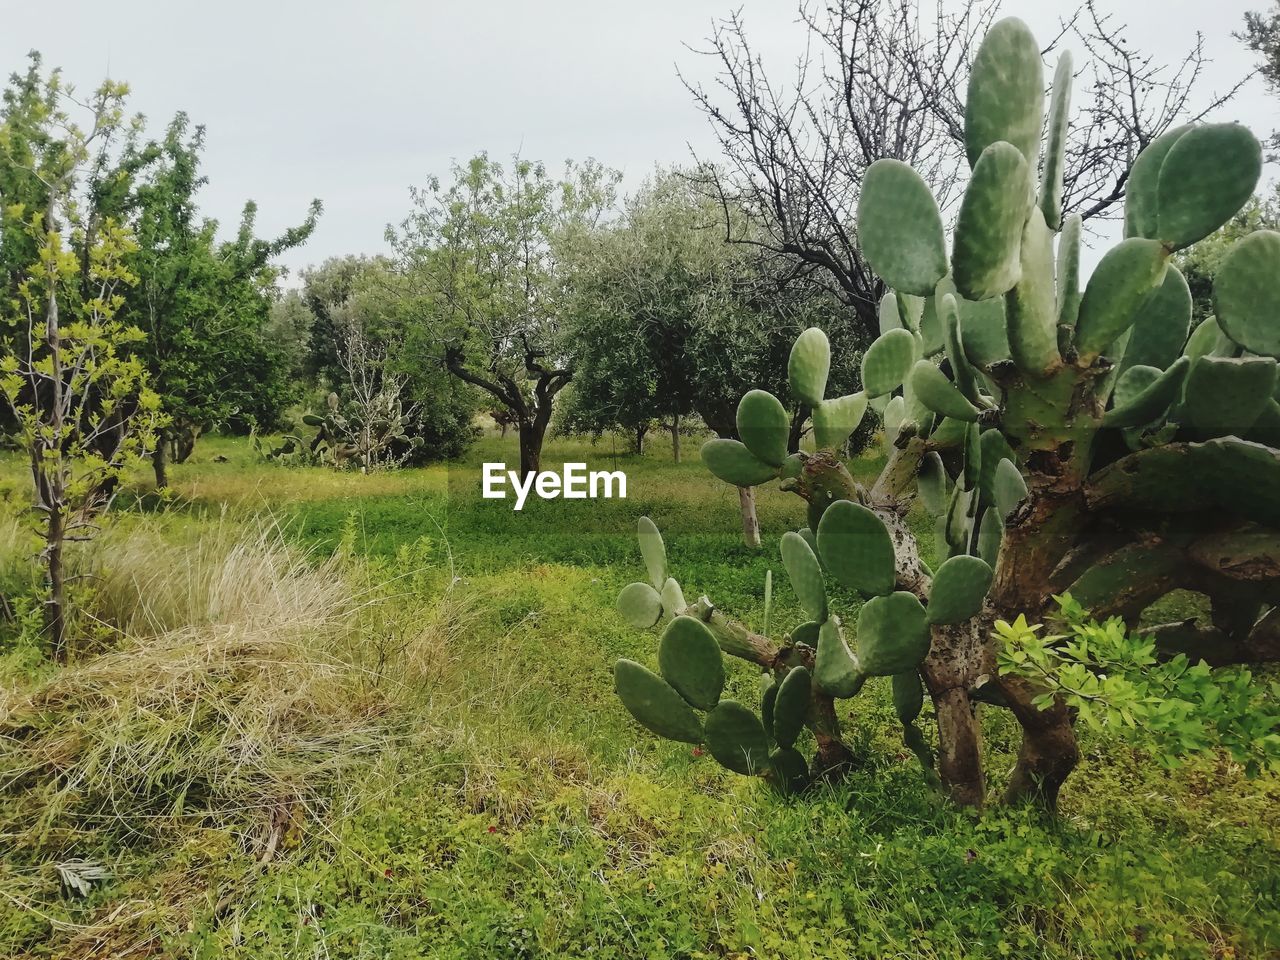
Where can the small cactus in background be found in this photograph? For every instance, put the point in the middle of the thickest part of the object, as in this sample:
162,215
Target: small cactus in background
371,435
1063,439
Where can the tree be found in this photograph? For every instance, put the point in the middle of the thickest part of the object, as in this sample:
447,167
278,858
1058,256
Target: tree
883,79
205,305
371,297
1065,441
1262,36
484,256
81,406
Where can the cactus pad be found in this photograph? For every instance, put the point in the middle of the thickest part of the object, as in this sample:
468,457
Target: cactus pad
1008,487
672,598
1141,195
1143,393
805,574
856,548
640,605
1120,284
1246,293
655,704
808,366
834,420
1207,175
835,669
990,533
732,462
653,551
1225,395
933,389
736,738
931,483
986,254
900,228
1056,149
893,635
887,362
791,707
763,426
908,696
959,587
1005,99
790,774
1161,328
690,660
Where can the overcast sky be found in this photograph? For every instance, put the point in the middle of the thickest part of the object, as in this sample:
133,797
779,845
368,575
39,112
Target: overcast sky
352,103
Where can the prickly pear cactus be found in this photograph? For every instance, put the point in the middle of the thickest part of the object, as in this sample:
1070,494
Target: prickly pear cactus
1062,438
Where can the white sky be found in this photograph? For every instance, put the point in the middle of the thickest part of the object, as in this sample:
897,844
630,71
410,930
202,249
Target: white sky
352,103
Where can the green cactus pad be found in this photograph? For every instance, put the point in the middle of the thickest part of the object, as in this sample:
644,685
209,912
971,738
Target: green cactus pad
653,551
737,739
932,334
811,539
972,457
1246,293
1008,487
1120,285
888,313
763,426
894,416
1224,395
1031,308
990,533
835,669
986,258
672,598
654,703
807,634
959,587
856,548
900,229
791,708
994,448
893,635
887,362
1207,175
1068,271
932,483
908,696
768,698
311,420
640,605
689,659
949,434
966,378
1266,429
983,330
1141,195
1204,339
808,366
1056,149
790,773
958,528
805,574
1160,330
1005,99
1143,393
932,387
834,420
732,462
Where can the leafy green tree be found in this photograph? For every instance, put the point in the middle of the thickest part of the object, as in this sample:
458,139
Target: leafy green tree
661,301
485,258
205,305
81,407
366,301
1262,35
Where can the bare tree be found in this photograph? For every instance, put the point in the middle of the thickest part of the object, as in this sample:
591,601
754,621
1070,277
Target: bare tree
883,78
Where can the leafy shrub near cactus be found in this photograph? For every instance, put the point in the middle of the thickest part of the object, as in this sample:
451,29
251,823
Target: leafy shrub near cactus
1062,438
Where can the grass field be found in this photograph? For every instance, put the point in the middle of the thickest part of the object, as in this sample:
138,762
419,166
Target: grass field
333,715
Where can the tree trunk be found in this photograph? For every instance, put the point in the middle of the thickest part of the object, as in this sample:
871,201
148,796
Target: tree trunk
959,748
637,443
184,443
750,523
1049,751
675,437
797,428
531,437
55,605
160,461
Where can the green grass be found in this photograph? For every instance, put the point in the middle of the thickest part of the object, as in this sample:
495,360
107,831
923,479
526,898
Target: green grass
516,811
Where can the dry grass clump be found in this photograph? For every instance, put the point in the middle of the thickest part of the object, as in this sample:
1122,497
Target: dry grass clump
228,702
